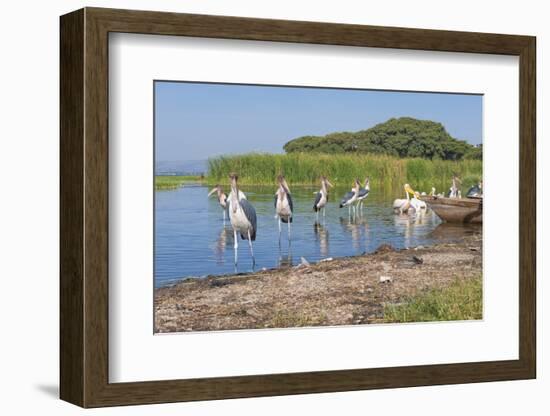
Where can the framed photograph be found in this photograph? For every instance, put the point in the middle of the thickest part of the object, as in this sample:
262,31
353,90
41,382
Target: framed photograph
255,207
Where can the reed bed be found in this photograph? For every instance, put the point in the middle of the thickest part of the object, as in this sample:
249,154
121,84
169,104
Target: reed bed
305,169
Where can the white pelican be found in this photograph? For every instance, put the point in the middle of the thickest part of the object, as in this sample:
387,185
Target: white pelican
222,198
402,206
363,193
475,191
283,204
242,216
321,198
351,197
417,203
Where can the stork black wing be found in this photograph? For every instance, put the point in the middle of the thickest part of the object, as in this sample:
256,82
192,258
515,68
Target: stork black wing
317,199
363,192
290,203
346,198
250,214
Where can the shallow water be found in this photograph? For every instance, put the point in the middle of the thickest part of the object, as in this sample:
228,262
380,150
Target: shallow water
191,239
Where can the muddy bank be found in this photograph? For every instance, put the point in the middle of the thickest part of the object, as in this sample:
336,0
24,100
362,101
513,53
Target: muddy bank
339,292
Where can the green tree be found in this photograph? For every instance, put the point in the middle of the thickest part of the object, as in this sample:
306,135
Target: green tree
400,137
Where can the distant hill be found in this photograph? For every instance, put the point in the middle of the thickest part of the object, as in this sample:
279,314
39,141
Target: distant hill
180,167
400,137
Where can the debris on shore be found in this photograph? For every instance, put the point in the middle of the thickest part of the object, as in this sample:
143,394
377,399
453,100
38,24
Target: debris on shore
339,291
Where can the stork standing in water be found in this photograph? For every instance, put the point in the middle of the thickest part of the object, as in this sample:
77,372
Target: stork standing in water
350,198
222,198
242,216
321,198
283,205
363,193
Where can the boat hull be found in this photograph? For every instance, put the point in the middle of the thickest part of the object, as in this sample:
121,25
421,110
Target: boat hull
457,210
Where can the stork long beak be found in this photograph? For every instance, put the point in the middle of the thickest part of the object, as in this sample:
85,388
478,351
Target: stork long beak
329,184
285,185
212,191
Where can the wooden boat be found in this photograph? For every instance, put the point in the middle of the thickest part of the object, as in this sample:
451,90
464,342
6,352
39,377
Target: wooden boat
457,210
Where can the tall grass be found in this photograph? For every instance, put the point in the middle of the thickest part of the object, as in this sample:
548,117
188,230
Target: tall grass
462,300
305,169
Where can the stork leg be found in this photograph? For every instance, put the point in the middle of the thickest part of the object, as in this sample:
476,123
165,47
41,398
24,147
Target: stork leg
224,217
289,230
235,244
251,249
279,220
317,215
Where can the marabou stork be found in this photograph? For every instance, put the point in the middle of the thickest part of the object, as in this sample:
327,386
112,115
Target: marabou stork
350,198
242,216
222,198
475,191
283,204
363,193
321,197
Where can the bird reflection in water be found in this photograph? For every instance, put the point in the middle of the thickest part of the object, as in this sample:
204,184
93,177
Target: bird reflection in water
321,235
224,238
356,226
285,259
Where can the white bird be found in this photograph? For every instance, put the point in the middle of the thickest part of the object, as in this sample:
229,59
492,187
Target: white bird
363,193
453,190
283,204
417,203
350,198
402,206
222,198
321,198
242,216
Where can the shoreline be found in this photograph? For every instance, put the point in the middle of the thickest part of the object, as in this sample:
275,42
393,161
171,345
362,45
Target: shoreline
343,291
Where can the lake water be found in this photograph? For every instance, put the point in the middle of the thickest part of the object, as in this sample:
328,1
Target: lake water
192,241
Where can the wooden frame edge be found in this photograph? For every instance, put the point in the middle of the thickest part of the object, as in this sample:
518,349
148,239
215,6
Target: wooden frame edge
84,207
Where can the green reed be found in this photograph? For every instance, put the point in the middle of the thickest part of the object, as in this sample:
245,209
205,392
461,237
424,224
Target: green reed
342,169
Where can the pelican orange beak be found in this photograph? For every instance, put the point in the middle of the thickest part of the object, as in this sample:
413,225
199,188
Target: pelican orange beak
409,189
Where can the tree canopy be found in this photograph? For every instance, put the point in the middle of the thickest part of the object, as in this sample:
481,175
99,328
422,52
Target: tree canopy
399,137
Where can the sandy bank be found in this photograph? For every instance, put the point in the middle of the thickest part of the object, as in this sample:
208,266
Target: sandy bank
339,292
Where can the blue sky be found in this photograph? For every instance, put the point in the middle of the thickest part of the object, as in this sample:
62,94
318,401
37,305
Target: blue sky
194,121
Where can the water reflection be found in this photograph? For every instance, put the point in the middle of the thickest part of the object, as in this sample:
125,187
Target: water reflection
285,259
357,228
191,239
224,240
321,236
